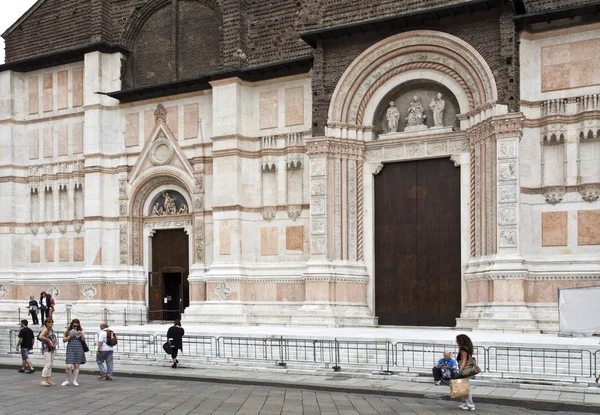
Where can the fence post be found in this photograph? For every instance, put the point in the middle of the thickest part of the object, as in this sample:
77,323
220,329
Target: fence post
281,355
106,316
19,311
336,355
125,316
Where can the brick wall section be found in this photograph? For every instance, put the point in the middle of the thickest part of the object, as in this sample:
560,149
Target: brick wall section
541,5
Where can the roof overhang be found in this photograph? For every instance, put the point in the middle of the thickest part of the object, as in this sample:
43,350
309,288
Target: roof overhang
399,21
61,57
251,74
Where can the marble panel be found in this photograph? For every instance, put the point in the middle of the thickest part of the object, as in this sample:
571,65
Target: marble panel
190,121
570,65
132,129
585,73
34,252
49,250
294,238
173,121
555,77
556,55
269,243
77,87
225,240
47,92
63,250
48,141
318,291
269,103
78,251
34,95
554,229
98,258
63,140
350,293
478,292
63,90
294,106
291,292
588,227
148,123
198,292
234,294
33,138
78,138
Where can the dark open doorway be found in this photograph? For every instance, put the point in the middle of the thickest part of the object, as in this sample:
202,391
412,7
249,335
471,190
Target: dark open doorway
168,282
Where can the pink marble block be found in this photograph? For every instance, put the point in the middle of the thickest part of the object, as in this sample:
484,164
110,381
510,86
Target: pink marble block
173,121
78,252
225,240
48,141
34,253
269,105
98,258
570,65
554,229
269,243
190,121
77,87
78,138
148,124
294,106
63,90
63,140
33,138
48,92
49,250
33,95
132,129
63,250
588,227
294,238
198,292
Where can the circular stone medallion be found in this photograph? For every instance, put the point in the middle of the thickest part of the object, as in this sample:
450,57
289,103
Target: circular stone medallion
161,152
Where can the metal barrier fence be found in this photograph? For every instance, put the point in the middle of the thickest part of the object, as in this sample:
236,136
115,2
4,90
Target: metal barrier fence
91,340
383,356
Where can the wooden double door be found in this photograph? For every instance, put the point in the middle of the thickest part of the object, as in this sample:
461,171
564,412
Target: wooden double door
168,282
417,243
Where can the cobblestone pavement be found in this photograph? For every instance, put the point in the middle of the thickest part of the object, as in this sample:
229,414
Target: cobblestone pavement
22,394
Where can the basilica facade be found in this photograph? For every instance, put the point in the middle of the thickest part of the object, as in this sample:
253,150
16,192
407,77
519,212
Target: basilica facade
426,163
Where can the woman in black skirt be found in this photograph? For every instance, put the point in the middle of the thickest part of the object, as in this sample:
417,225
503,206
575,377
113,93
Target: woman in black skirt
175,338
74,337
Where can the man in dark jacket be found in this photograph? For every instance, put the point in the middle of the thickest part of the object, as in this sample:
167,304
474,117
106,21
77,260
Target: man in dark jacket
26,340
175,338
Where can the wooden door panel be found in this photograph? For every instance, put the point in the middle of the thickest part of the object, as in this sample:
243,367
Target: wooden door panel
417,243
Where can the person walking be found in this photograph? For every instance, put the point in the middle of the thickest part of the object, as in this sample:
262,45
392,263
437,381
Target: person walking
49,343
175,338
33,310
466,366
50,305
44,306
74,337
104,353
26,340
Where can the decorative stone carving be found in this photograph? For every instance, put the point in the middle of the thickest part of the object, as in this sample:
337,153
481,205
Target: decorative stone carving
123,188
198,182
437,106
3,291
317,246
508,238
318,226
77,225
317,168
222,291
168,224
392,116
34,228
508,171
161,152
54,291
317,187
589,192
62,227
123,207
508,194
294,211
508,216
89,292
435,149
459,146
377,167
507,150
415,150
455,158
554,194
167,205
123,243
269,212
317,207
199,248
415,118
160,114
48,227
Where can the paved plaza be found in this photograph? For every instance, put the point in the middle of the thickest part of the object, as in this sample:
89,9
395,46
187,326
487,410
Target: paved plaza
22,394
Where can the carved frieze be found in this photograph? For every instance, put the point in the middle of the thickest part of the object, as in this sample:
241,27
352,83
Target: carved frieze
269,212
199,246
508,238
335,148
318,226
294,211
317,168
508,193
508,216
222,291
54,291
317,246
589,192
3,291
508,171
123,244
554,194
89,292
317,187
317,207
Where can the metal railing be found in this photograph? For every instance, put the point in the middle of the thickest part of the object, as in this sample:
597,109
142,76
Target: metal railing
90,338
384,356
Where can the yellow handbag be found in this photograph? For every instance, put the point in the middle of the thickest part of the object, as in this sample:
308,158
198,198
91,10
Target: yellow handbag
459,388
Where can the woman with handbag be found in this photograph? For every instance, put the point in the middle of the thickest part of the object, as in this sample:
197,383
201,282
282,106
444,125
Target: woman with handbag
49,342
175,338
467,366
75,339
44,306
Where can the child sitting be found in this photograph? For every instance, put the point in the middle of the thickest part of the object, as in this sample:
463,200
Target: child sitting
445,369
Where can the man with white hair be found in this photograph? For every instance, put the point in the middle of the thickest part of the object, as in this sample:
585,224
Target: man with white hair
104,353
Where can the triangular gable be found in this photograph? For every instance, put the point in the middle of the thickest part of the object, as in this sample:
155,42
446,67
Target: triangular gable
160,136
24,17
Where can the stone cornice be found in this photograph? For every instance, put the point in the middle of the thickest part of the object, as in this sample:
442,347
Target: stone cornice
496,127
335,148
561,119
531,277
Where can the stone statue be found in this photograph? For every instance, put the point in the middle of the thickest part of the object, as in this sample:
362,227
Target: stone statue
157,210
183,209
393,115
437,105
415,113
170,208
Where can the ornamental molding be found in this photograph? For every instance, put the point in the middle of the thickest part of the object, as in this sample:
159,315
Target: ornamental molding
167,224
3,291
497,127
531,277
589,192
222,291
554,194
335,148
89,292
161,152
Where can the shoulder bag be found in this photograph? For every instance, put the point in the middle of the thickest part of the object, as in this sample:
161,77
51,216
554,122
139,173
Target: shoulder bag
471,368
459,388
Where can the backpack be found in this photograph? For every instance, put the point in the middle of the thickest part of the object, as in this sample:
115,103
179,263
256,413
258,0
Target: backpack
111,338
